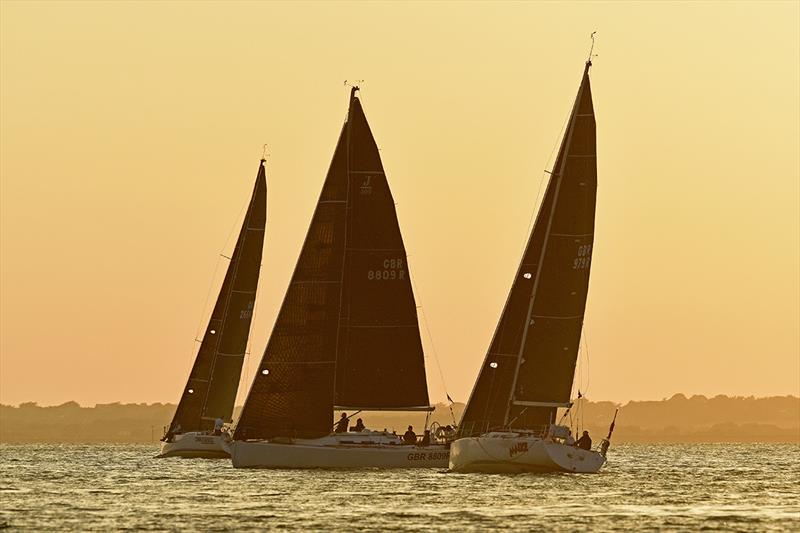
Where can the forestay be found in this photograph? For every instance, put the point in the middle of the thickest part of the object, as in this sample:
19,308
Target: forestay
529,368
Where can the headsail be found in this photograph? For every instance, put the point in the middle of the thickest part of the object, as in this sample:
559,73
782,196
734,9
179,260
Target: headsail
529,369
347,332
211,390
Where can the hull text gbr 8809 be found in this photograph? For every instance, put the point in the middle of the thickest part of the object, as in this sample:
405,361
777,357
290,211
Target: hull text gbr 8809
347,335
509,424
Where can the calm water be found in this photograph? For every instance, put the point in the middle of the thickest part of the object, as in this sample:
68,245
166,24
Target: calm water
644,487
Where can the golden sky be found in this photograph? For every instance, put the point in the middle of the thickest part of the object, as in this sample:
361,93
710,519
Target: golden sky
130,135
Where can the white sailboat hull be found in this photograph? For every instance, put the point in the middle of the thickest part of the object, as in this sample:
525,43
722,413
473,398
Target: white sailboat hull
197,444
508,452
337,451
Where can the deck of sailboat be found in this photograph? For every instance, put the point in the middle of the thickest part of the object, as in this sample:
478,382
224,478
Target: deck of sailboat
513,453
345,450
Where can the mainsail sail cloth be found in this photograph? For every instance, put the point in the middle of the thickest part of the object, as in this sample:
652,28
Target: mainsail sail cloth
347,334
211,390
529,368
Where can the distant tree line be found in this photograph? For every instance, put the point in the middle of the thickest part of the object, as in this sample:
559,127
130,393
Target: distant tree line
677,419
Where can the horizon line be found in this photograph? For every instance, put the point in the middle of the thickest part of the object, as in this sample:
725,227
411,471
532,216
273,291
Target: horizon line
441,402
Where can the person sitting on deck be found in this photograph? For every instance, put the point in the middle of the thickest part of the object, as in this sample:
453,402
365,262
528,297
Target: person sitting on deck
218,423
341,425
585,442
426,438
359,426
409,437
171,432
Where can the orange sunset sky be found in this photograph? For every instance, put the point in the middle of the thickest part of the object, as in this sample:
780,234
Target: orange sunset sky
130,135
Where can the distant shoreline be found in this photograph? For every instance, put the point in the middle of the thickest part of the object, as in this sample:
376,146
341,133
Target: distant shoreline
675,420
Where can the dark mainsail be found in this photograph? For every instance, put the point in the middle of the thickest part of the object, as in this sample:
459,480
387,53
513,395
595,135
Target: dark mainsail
530,366
211,390
347,333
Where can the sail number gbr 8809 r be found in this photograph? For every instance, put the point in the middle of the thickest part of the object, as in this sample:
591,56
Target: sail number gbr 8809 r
392,269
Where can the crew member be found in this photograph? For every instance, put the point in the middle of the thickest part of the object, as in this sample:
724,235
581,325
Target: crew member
585,442
359,426
409,437
341,425
426,438
171,432
218,423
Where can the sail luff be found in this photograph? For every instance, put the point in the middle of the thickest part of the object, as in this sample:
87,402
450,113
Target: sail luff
348,128
189,414
234,331
537,277
537,379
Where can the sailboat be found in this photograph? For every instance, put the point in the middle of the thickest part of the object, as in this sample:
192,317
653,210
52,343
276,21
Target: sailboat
207,400
346,337
509,423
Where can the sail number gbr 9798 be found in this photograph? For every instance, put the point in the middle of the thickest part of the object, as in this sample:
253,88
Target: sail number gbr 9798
583,257
392,269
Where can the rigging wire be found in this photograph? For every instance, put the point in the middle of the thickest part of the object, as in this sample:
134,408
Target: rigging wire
430,340
591,48
247,359
200,321
537,203
426,324
248,351
548,162
205,314
586,357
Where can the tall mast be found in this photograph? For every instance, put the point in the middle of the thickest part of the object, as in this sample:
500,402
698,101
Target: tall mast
557,176
348,127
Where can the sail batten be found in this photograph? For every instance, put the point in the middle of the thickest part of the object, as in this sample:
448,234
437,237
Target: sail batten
210,391
403,408
542,320
347,332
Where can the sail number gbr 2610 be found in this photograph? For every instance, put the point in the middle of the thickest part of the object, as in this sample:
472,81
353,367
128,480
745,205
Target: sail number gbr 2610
392,269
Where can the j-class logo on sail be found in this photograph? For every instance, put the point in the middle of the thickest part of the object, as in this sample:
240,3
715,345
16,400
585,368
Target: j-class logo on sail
518,448
366,187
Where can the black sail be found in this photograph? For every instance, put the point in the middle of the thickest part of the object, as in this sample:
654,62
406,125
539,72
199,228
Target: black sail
530,366
380,362
292,392
211,390
347,332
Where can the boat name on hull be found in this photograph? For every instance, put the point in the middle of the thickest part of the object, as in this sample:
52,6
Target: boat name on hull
518,448
434,456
